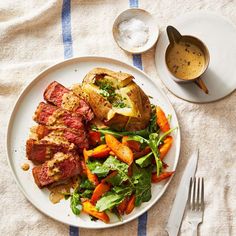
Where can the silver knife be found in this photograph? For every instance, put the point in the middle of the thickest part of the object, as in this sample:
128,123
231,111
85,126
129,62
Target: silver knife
181,198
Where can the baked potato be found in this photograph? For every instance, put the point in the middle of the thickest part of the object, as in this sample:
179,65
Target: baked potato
116,99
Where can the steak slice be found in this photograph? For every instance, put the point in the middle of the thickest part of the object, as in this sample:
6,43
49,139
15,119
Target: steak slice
40,151
62,97
50,115
56,170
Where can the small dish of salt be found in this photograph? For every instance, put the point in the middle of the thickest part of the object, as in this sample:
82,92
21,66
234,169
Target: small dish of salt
135,30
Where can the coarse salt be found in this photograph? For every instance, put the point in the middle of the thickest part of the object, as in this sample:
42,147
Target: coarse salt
134,32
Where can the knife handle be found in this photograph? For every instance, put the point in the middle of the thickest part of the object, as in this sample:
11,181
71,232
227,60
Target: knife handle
172,231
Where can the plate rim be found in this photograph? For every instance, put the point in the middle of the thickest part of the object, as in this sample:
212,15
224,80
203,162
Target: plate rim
48,70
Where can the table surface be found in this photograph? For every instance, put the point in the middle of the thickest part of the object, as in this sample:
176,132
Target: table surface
36,33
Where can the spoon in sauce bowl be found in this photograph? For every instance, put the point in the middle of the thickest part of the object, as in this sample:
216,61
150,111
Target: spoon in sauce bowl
187,58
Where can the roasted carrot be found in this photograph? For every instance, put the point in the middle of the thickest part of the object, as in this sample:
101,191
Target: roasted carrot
143,152
112,174
92,177
162,120
130,205
122,206
83,167
100,151
112,153
90,209
132,144
94,137
100,189
162,176
165,147
123,152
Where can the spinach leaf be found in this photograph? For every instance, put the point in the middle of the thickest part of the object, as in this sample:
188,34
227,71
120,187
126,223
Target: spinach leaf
142,182
85,183
109,200
153,143
87,193
145,160
98,168
75,203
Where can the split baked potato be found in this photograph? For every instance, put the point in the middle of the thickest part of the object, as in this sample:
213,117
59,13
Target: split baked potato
116,99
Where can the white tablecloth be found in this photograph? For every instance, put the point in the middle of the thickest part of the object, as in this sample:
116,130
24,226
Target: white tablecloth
35,34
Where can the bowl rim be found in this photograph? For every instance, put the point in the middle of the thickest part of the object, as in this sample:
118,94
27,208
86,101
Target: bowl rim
116,22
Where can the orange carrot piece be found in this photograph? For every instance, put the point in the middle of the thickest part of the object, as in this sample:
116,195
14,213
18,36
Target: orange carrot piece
112,153
123,152
100,151
83,167
92,177
94,137
162,120
132,144
122,206
99,191
87,154
90,209
130,205
144,152
165,147
112,174
162,176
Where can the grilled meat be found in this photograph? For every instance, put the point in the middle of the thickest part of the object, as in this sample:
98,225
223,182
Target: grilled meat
62,97
56,170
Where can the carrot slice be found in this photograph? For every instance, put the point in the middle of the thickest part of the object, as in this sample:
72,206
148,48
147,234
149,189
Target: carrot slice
132,144
92,177
100,151
162,176
122,206
90,209
112,174
162,120
144,152
123,152
94,137
130,205
99,191
166,146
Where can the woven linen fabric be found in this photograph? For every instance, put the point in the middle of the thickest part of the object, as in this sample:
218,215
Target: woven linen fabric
35,34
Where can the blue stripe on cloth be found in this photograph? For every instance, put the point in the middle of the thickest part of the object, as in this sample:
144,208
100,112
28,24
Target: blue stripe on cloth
68,52
133,3
66,28
137,61
74,231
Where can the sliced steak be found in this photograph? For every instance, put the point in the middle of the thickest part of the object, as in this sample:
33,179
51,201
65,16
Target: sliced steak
50,115
62,97
56,137
60,168
40,151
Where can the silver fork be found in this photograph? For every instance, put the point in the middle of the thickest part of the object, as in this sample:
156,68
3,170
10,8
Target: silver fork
195,203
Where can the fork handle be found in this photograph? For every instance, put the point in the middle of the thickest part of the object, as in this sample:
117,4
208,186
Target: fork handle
194,229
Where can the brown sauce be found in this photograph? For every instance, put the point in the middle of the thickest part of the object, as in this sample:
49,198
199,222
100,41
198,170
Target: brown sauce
58,192
185,60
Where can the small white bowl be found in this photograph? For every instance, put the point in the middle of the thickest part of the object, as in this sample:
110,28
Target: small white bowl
148,20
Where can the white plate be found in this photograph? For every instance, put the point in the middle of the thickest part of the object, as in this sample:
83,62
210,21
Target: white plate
70,72
219,35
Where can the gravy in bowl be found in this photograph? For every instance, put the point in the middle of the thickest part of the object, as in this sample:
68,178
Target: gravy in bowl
185,60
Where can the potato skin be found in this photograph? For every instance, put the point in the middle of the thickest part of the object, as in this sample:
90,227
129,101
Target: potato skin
136,119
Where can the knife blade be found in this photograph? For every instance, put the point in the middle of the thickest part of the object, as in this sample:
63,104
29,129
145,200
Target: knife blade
181,198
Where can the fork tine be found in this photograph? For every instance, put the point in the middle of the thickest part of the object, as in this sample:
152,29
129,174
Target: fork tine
189,192
202,195
198,193
194,190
